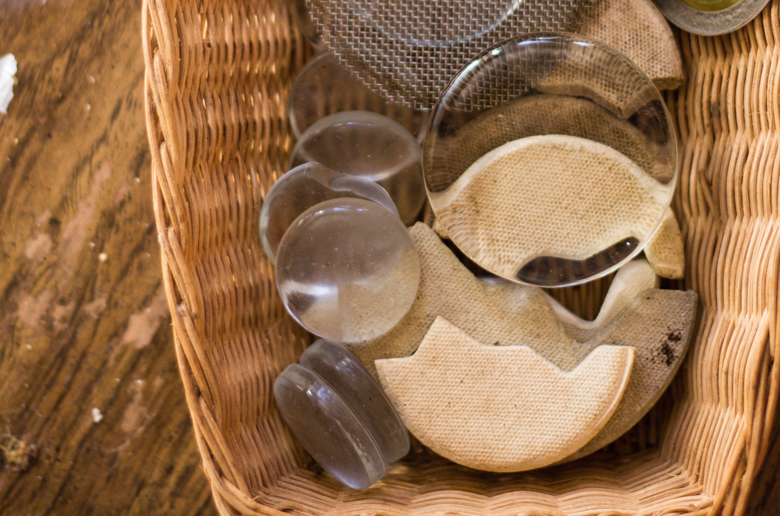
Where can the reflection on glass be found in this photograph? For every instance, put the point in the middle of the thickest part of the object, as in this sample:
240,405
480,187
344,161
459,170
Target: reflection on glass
369,145
323,87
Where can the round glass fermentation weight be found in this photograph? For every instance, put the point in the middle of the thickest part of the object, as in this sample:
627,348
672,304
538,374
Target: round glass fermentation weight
347,270
370,145
711,17
550,160
328,428
303,187
347,376
323,87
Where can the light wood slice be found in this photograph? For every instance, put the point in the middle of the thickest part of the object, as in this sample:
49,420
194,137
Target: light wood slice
638,30
575,197
658,324
630,280
665,250
502,408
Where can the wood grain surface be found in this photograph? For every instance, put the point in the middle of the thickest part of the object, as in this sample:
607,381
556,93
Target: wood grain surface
83,319
92,411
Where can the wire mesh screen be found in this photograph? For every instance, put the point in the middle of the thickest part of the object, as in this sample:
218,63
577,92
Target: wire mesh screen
409,50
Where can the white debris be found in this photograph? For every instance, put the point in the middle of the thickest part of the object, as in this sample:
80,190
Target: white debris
97,416
102,257
7,72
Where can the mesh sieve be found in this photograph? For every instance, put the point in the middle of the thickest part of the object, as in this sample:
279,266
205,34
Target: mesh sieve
409,50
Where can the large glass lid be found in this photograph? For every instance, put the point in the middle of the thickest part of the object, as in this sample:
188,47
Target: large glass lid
550,160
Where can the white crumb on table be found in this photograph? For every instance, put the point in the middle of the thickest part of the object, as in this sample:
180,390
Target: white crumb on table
7,72
97,416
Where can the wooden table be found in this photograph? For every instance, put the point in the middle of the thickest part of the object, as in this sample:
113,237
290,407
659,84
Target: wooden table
87,366
88,375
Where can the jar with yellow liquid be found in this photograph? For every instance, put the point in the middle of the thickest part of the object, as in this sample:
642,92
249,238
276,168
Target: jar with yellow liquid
710,17
710,5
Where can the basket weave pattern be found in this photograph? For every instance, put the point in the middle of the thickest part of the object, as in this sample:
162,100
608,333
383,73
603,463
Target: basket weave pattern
217,79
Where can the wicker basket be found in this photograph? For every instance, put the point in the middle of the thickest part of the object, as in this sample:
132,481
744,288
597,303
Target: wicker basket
217,79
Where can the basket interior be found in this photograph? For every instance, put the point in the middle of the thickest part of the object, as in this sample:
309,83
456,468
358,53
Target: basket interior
218,75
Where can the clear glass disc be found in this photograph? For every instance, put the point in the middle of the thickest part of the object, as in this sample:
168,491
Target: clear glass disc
550,160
